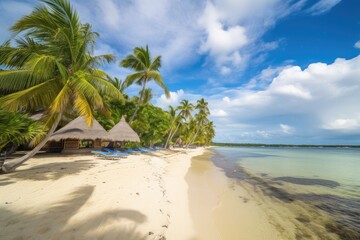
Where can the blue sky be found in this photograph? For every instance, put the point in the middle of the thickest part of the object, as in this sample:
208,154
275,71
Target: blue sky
273,71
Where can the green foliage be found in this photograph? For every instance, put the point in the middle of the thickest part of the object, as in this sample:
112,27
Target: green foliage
49,64
17,128
117,109
152,124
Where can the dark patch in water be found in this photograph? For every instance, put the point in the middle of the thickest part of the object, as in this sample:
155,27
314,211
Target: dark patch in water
345,212
308,181
342,231
264,174
303,219
300,236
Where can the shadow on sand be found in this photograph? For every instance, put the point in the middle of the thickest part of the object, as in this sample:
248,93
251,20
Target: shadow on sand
58,221
48,171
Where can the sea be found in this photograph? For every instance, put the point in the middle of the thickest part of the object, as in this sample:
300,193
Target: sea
318,189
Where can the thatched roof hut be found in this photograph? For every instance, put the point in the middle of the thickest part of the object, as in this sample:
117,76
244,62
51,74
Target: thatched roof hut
79,129
122,132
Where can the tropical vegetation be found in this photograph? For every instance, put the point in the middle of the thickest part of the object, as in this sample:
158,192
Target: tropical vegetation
48,65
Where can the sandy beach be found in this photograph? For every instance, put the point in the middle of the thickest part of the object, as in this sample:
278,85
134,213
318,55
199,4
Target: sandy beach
164,195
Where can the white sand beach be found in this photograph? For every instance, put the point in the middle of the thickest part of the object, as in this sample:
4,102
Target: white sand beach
148,196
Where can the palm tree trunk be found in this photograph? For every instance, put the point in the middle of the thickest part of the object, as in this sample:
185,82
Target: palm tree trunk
11,166
171,137
139,103
168,138
170,133
193,139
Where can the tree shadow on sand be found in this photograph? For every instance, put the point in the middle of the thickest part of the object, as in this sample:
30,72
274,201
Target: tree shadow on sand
57,221
49,171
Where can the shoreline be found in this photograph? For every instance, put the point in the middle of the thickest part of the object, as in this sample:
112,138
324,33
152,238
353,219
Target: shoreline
223,209
175,195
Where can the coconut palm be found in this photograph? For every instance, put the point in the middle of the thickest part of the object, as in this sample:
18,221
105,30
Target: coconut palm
119,84
185,112
174,118
146,70
210,132
202,106
147,96
201,117
51,67
201,120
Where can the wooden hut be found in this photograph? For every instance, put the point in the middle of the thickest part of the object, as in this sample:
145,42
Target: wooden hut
122,132
75,132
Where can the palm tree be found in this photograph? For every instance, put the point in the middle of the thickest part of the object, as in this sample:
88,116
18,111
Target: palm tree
174,119
147,96
201,118
210,132
202,106
146,69
185,112
52,68
119,84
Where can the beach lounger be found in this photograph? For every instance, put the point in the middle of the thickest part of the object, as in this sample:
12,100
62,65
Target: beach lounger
130,151
105,154
140,150
112,151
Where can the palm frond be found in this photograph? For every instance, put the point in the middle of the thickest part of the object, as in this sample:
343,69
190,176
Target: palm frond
35,97
80,85
60,102
83,106
137,76
156,76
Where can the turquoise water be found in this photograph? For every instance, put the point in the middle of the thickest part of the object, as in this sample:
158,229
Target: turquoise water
326,179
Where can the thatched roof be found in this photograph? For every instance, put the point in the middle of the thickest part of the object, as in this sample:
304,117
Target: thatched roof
79,129
122,132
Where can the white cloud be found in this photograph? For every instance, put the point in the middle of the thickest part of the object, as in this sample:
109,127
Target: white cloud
357,44
222,43
323,6
225,70
226,32
318,98
174,100
287,129
166,26
218,113
343,125
263,134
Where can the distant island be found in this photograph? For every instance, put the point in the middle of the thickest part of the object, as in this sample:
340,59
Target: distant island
281,145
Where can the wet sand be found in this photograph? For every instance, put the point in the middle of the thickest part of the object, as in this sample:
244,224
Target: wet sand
222,209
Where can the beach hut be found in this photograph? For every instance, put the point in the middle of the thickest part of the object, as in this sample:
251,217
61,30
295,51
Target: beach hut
71,135
122,132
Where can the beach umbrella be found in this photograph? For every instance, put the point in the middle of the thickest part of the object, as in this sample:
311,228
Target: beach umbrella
79,129
122,132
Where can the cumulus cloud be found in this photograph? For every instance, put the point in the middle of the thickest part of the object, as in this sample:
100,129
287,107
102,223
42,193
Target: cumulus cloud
174,100
222,43
357,44
343,125
318,98
218,113
183,32
287,129
323,6
166,26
